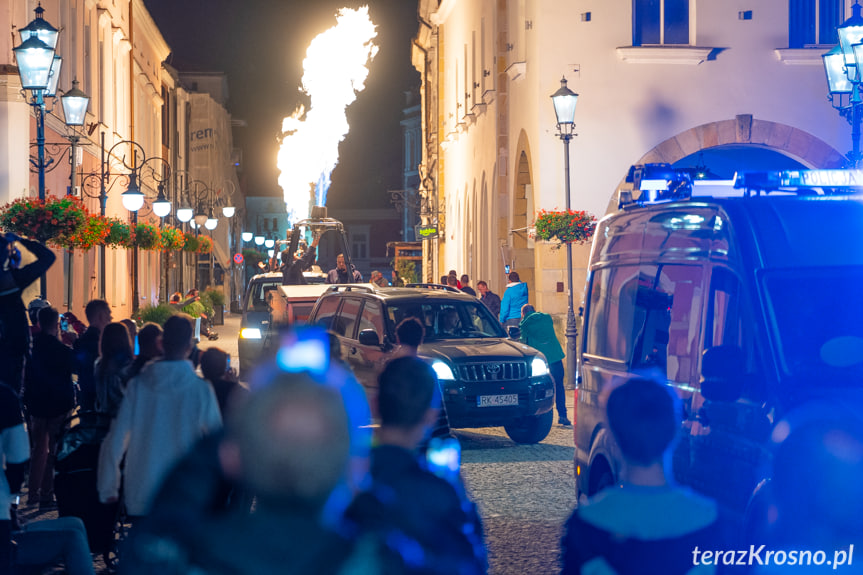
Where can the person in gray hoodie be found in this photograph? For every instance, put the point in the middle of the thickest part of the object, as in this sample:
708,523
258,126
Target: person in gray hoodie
166,409
514,296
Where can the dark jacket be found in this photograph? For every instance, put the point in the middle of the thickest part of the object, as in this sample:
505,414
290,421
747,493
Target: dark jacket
406,500
191,513
468,290
86,352
337,276
537,331
48,387
110,378
224,389
292,274
492,302
14,329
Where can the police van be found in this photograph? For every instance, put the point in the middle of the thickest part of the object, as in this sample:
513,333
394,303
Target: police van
744,296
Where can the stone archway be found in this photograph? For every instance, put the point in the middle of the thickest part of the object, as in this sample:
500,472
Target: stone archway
746,130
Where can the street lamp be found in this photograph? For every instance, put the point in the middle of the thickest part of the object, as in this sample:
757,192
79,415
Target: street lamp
842,65
247,236
161,205
564,101
36,64
211,222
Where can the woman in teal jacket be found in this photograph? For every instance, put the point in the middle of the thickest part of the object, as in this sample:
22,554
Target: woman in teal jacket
537,331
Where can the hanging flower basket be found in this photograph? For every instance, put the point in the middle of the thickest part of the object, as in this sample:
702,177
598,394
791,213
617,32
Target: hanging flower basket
92,233
45,219
190,242
567,226
172,239
147,237
205,245
119,234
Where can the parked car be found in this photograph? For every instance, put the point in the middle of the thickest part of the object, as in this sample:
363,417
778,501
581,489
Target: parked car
744,301
268,305
486,379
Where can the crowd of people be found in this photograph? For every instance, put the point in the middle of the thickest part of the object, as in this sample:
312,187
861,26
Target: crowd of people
284,475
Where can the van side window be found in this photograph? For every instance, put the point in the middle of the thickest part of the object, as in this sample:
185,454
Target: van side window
727,323
667,323
612,304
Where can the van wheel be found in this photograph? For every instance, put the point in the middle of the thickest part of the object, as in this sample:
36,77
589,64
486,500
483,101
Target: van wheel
603,478
531,429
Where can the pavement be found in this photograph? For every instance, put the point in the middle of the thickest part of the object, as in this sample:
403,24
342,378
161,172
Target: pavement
228,334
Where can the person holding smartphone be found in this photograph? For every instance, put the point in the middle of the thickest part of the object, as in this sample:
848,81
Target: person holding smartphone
407,498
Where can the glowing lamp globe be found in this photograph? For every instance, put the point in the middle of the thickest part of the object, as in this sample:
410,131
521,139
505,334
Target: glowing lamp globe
185,214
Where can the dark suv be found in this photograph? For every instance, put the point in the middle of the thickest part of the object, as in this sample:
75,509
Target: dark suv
486,379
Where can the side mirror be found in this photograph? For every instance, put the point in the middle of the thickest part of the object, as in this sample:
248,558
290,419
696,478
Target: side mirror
369,337
513,332
723,373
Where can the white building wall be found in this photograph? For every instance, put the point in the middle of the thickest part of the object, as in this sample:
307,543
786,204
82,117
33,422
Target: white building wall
738,83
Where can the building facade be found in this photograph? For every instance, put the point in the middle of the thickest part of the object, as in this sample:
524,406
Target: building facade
658,81
138,116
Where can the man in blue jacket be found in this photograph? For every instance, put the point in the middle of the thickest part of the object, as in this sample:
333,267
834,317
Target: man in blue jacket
514,296
537,331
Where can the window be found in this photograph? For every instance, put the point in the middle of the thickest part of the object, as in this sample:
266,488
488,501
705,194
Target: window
813,22
327,311
258,295
648,316
372,318
347,318
660,22
359,245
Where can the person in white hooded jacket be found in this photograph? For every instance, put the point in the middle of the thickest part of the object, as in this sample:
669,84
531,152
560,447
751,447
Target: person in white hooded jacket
166,409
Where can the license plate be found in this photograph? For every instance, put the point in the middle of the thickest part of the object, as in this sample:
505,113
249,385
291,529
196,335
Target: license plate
497,400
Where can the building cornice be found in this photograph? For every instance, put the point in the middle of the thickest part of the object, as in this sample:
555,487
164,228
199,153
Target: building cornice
443,12
685,55
802,56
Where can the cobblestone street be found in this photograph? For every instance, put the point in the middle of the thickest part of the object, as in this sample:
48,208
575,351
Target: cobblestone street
524,494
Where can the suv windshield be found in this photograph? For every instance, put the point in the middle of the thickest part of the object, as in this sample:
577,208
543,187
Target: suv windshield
258,295
448,319
817,321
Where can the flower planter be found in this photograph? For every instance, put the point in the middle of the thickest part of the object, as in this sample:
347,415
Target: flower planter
568,226
44,220
147,237
172,239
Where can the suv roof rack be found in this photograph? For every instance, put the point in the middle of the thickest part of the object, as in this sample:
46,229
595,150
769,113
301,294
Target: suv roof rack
349,287
434,286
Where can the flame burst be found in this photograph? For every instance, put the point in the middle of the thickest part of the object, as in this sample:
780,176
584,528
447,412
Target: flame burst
334,71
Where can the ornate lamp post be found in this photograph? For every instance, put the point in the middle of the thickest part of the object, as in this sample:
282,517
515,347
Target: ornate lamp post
39,69
564,101
843,67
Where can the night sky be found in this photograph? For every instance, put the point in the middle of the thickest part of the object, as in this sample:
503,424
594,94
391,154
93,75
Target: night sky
261,44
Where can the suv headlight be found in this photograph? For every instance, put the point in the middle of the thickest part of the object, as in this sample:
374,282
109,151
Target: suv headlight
442,370
250,333
538,367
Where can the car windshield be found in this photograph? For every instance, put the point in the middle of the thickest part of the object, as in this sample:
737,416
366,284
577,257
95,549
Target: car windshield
258,291
448,319
818,322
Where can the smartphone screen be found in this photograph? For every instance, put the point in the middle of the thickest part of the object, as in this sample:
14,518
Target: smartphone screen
228,366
